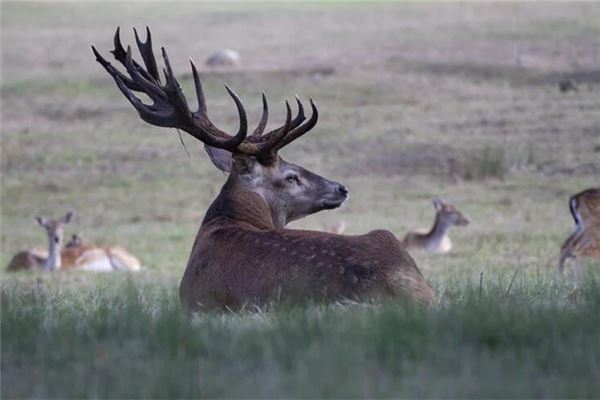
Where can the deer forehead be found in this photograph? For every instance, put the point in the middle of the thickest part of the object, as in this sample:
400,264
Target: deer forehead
54,226
449,208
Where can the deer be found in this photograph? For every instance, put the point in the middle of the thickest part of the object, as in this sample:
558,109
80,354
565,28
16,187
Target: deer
74,255
338,228
436,239
585,239
243,253
38,258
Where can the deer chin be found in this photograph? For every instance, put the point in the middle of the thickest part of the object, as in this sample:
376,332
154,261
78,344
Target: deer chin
330,204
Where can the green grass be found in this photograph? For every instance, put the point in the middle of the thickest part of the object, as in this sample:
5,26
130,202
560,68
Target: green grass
131,340
418,100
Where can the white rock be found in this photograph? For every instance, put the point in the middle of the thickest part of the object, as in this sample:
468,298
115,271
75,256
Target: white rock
223,57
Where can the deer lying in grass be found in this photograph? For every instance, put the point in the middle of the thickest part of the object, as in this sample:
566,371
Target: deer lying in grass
243,253
585,239
338,228
436,240
74,255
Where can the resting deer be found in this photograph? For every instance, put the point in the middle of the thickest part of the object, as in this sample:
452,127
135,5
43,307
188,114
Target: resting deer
338,228
243,253
436,240
585,239
74,255
49,259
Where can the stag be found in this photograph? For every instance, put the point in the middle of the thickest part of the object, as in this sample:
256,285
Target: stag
243,254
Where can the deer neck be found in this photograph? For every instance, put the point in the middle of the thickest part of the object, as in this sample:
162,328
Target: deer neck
242,205
438,231
53,262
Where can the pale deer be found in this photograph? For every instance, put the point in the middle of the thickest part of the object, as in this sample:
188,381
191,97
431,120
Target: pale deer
223,58
47,260
74,256
338,228
585,239
243,254
436,239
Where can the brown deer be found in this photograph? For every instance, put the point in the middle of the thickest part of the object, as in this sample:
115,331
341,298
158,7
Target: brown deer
242,253
585,239
436,240
74,256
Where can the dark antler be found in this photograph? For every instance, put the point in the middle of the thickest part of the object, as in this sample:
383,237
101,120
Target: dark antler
169,107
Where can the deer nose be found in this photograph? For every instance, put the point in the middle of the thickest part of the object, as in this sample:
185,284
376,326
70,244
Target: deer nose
342,190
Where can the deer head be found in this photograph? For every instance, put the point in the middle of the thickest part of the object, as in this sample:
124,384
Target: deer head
448,214
252,161
55,229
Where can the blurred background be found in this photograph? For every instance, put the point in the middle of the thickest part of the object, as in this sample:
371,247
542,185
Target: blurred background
461,101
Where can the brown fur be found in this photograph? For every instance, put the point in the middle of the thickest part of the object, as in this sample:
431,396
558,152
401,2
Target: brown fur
240,257
585,240
28,259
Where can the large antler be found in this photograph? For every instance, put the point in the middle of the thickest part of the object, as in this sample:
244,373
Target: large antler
169,107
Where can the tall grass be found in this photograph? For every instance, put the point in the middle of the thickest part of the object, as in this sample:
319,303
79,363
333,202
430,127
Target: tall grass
129,340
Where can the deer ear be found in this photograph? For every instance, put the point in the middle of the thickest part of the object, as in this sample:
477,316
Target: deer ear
67,218
437,203
244,165
41,221
219,157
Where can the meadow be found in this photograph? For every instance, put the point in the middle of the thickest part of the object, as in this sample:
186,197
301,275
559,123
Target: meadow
416,100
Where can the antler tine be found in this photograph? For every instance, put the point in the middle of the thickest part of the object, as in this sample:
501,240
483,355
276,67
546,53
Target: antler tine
268,147
199,91
149,87
113,71
121,56
225,142
243,129
298,131
147,54
294,123
263,120
143,110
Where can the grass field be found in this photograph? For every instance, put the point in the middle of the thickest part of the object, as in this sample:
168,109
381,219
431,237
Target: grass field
417,100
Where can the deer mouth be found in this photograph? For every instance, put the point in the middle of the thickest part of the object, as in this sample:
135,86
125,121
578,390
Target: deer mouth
331,203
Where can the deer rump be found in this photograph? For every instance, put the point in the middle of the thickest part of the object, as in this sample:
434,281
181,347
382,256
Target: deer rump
231,266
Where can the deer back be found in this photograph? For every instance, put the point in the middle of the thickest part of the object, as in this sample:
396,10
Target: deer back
234,263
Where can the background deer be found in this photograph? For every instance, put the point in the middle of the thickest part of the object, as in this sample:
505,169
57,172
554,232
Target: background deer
242,252
338,228
75,254
436,240
585,239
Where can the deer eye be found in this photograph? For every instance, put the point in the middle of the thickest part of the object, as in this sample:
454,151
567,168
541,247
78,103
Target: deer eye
292,178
